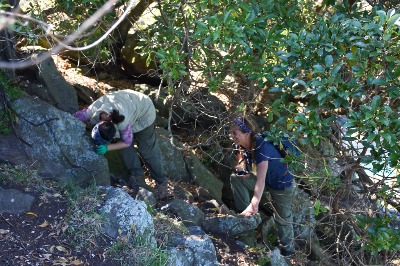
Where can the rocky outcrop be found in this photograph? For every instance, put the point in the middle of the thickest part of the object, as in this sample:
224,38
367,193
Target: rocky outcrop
231,225
198,249
188,213
123,214
54,88
55,144
173,163
203,177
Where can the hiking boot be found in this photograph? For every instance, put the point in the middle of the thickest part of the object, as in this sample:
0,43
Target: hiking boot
134,182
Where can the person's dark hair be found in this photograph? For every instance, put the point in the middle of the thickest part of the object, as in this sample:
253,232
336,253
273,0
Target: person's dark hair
107,129
254,128
116,118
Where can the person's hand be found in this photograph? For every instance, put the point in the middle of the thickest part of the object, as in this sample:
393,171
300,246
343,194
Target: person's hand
252,209
101,149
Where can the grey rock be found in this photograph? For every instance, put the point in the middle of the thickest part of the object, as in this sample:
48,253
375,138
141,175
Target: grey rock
59,147
57,90
147,196
201,245
180,256
210,204
173,163
183,194
249,238
277,259
203,177
190,214
203,195
121,211
233,225
15,202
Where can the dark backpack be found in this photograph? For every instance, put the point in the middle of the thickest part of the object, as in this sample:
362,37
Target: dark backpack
285,146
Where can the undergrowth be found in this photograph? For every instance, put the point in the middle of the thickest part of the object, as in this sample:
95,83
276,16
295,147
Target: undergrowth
13,91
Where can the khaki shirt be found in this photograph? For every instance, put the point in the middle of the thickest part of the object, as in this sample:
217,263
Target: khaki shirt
137,108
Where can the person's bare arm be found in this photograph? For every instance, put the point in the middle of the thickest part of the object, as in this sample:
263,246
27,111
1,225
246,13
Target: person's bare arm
252,209
116,146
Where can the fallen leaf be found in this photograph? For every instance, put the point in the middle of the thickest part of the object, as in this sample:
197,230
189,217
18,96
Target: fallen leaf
92,242
45,224
39,236
51,234
65,228
47,256
56,195
76,262
2,232
61,248
31,213
119,231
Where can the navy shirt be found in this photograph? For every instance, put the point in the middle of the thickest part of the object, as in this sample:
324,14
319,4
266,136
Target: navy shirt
278,176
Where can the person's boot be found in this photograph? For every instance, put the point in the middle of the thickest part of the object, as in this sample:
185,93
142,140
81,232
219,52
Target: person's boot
134,183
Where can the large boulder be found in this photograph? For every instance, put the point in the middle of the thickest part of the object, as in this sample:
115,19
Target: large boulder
173,163
232,225
123,214
55,89
190,214
199,249
53,142
203,177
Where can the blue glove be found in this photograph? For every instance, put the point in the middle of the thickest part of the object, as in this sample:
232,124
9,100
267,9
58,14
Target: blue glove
101,149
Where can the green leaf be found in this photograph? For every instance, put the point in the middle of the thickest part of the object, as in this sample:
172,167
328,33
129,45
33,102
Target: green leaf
371,137
393,19
376,101
328,61
207,40
315,140
148,61
379,81
227,15
394,157
382,16
353,49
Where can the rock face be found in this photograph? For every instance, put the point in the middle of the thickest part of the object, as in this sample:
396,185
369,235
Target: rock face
56,89
13,201
203,177
58,148
121,211
173,163
200,250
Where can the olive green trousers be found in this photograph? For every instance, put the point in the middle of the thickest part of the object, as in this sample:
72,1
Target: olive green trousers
150,152
281,201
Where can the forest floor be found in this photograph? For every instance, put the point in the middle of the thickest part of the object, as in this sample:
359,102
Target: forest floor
51,232
54,231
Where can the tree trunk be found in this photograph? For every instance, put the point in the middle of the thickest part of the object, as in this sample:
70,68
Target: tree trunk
121,33
7,46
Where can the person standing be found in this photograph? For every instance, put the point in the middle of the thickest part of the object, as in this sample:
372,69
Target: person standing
270,173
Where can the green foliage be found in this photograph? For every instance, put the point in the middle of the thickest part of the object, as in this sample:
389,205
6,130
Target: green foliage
13,91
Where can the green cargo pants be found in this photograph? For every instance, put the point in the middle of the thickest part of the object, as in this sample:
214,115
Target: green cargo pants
281,202
150,152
